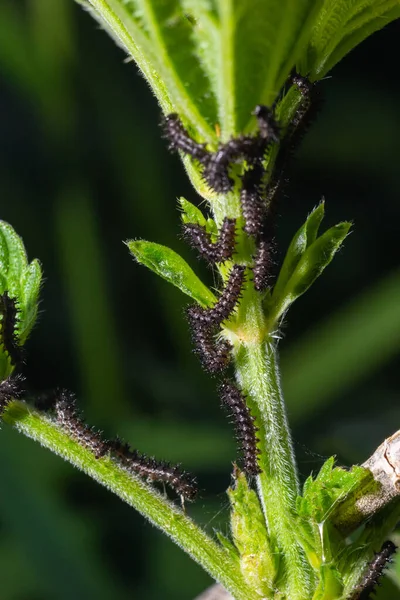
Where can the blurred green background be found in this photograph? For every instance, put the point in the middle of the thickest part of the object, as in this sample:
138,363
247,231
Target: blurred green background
82,168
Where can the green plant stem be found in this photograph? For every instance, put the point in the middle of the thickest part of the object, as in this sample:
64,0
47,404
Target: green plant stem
258,373
149,502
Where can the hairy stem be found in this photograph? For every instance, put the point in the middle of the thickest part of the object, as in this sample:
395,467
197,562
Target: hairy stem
132,490
258,374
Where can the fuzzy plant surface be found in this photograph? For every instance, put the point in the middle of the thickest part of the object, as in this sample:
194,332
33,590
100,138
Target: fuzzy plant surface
238,86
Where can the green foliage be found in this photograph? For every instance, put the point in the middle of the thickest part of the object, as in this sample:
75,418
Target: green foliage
328,501
306,235
322,498
330,584
192,214
327,515
306,258
331,485
236,57
21,280
172,267
259,562
340,26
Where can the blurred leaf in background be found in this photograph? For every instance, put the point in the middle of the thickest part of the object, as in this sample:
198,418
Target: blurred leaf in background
79,146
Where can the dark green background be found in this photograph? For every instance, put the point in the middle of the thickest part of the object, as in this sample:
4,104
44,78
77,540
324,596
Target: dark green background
82,168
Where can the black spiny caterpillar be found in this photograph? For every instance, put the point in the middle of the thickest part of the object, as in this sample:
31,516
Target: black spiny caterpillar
64,406
267,124
179,139
246,431
249,148
68,418
262,264
243,147
375,571
9,388
306,113
153,470
200,239
226,302
9,314
252,202
214,354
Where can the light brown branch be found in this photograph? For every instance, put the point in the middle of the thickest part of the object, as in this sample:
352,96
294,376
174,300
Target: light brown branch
379,489
384,465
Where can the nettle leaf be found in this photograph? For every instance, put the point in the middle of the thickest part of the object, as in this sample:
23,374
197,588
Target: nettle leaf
191,214
359,29
247,50
341,26
328,501
331,485
305,236
172,267
306,258
211,227
257,561
158,36
316,258
169,29
21,281
327,509
227,545
13,259
30,288
211,62
330,584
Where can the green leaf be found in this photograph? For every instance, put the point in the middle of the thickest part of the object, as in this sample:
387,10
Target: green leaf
330,584
331,485
305,263
227,544
305,236
30,288
21,281
13,259
154,34
357,31
316,258
342,25
247,50
331,497
211,62
257,561
191,214
327,511
172,267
